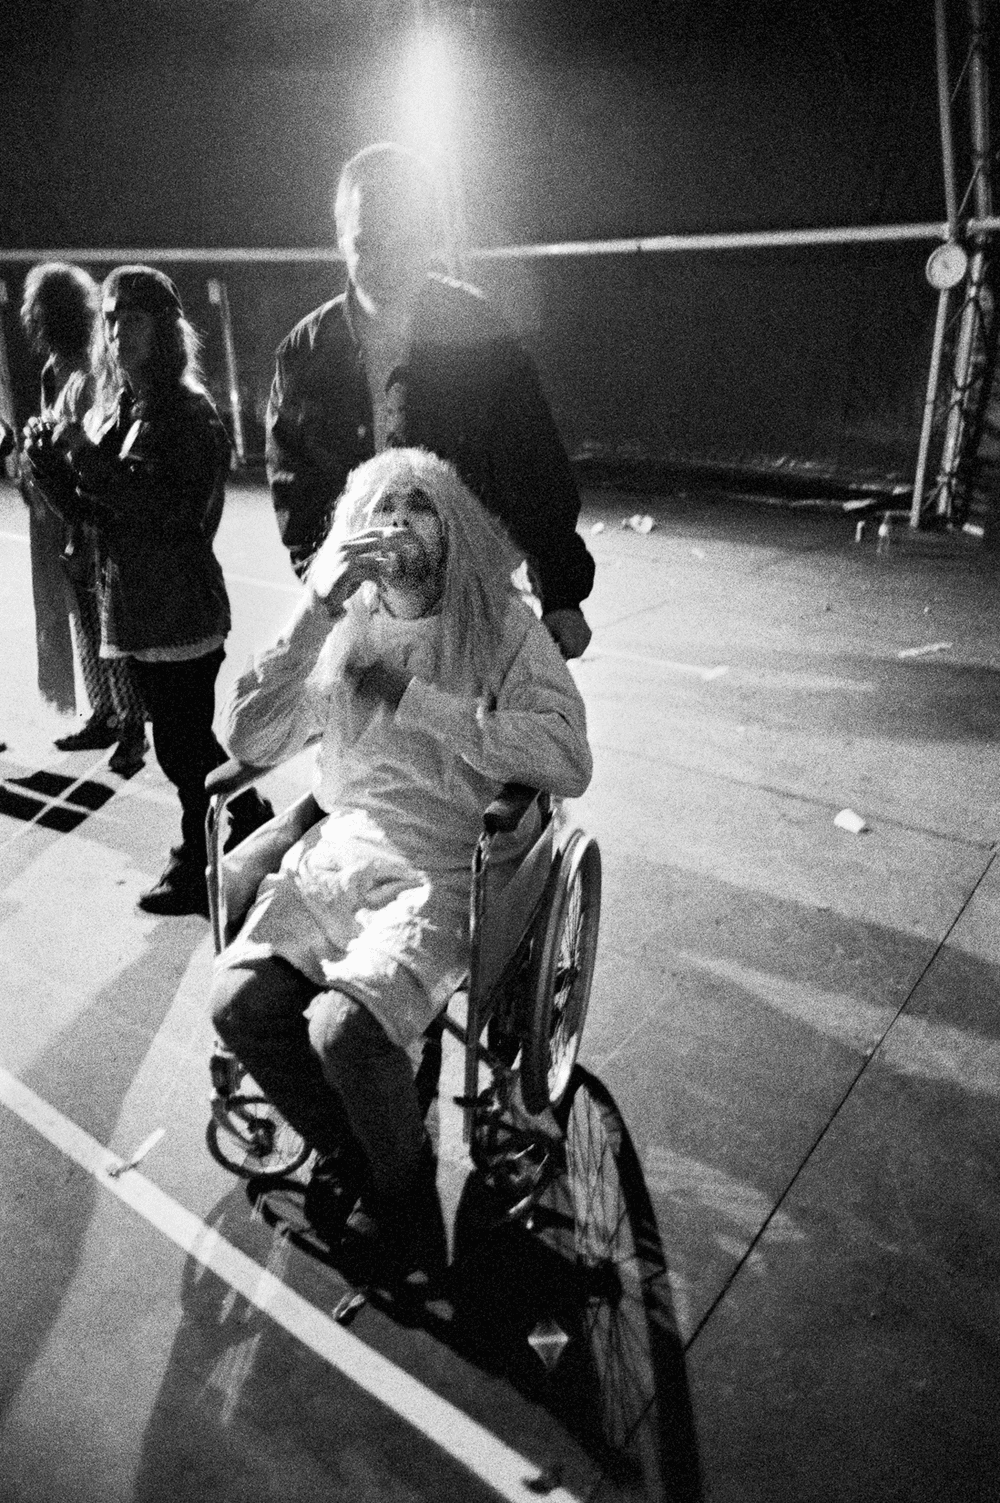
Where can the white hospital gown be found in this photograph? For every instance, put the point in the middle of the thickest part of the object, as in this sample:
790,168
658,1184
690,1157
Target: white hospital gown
374,899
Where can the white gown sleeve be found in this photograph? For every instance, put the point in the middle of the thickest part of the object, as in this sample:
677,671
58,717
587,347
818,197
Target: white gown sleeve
535,733
270,715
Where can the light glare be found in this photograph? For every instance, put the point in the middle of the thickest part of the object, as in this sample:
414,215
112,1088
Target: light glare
428,89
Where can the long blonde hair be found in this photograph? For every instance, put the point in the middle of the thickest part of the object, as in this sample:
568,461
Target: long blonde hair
480,559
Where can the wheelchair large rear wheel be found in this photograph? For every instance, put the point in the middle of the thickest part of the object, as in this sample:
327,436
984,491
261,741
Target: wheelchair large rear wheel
249,1137
624,1296
562,969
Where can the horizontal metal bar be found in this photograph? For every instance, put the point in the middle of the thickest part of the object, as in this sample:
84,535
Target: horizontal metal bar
116,255
871,234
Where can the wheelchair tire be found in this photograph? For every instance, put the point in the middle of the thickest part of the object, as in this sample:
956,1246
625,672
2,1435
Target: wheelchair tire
249,1137
562,969
636,1369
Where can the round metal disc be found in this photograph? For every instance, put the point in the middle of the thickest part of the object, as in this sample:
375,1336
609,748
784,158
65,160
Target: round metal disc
946,265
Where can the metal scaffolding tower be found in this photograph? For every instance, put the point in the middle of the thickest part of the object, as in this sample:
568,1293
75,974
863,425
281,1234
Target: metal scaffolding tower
963,352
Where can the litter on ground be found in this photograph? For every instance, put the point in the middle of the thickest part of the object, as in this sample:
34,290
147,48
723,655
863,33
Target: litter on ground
919,652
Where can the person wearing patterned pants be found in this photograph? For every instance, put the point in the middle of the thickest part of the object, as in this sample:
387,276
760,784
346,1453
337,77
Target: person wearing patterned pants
117,711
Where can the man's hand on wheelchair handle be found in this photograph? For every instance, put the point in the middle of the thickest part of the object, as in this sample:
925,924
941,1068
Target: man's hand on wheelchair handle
569,630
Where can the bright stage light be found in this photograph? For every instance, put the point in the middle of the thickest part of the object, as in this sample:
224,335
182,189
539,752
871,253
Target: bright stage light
427,103
428,122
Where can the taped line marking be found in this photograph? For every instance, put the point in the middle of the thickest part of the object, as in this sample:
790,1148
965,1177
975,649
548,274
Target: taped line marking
698,669
264,584
244,579
500,1468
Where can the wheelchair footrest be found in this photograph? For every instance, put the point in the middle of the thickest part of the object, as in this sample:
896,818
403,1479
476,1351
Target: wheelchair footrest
226,1072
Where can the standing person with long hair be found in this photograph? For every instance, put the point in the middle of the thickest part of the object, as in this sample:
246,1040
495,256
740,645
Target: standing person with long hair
60,315
150,472
431,683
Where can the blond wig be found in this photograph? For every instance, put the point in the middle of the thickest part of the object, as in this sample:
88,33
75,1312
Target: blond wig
480,560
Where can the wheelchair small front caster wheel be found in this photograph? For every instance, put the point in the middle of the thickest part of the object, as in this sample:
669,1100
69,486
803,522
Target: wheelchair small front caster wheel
249,1137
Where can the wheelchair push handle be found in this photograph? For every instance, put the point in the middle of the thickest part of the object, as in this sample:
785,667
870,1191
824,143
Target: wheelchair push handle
232,777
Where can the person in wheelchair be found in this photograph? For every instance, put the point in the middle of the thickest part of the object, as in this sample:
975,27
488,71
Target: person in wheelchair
430,682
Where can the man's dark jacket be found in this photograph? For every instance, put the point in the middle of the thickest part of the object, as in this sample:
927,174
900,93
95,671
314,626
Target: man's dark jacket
468,392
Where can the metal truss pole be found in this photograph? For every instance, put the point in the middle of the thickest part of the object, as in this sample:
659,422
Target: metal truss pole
944,292
930,402
219,295
971,329
968,346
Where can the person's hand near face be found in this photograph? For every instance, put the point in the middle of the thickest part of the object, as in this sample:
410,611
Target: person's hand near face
404,552
340,568
403,525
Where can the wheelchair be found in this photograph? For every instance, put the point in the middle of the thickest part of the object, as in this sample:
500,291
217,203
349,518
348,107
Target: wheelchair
534,913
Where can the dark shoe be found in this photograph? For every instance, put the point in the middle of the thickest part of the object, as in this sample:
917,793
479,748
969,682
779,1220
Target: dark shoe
99,732
247,812
181,889
335,1182
129,755
387,1238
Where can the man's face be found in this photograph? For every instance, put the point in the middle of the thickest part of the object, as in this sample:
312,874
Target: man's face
410,509
386,242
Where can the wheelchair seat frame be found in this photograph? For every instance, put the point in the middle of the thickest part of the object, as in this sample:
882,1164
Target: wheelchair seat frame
534,917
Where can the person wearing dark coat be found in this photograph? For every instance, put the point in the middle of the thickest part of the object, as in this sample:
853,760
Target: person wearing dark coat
405,356
147,472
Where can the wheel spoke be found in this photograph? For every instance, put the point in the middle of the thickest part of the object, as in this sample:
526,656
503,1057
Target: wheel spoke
616,1289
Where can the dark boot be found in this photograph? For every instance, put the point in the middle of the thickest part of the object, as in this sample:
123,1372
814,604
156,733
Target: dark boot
335,1183
182,888
388,1237
101,730
128,756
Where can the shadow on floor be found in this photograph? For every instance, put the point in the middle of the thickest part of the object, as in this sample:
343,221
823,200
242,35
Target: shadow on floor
574,1305
86,1073
910,699
569,1309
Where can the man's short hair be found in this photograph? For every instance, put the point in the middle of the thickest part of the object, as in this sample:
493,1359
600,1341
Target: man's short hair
394,170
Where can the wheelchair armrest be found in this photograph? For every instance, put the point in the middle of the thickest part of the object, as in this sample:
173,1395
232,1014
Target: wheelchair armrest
232,777
508,808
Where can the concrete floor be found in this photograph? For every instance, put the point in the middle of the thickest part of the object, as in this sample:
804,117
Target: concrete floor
796,1025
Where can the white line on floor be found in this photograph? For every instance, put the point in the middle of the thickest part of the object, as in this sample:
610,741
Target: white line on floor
283,587
264,584
498,1466
698,669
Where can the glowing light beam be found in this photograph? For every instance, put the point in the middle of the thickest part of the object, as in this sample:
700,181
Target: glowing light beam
427,97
